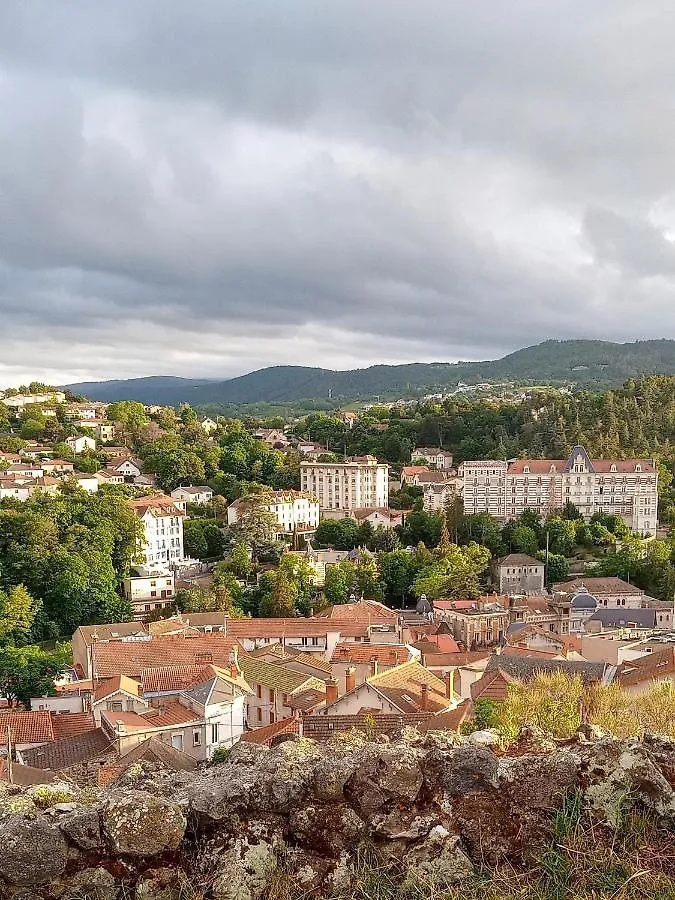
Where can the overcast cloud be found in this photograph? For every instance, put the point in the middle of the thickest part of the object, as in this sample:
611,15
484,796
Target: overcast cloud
206,188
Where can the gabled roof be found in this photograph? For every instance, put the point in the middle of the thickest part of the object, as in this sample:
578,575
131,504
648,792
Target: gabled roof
154,749
517,559
307,701
157,505
282,652
492,686
110,632
133,657
526,668
267,733
257,671
26,727
403,687
24,776
70,751
364,652
117,684
70,724
364,611
651,667
602,585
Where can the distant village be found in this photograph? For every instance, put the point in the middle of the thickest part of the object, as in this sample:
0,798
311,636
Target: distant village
180,686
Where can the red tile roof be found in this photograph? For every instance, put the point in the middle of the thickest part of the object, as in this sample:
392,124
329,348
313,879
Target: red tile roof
492,686
113,685
70,724
25,727
157,504
360,652
240,629
169,678
133,657
265,735
363,611
653,667
403,686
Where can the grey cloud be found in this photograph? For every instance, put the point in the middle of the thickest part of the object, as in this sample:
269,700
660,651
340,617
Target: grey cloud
234,185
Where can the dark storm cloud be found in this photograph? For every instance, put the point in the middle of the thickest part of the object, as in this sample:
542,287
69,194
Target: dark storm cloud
213,187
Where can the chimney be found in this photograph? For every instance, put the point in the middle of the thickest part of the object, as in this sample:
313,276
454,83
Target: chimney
331,691
425,696
350,679
373,666
450,684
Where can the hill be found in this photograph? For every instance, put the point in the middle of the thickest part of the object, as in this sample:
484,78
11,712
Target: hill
585,363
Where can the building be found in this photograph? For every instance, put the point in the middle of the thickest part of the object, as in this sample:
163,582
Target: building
192,494
411,474
273,437
125,465
611,592
440,459
475,623
351,484
163,529
81,442
18,401
624,487
353,662
295,511
438,494
278,692
518,573
149,589
108,476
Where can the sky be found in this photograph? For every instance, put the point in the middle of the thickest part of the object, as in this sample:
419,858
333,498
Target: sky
206,188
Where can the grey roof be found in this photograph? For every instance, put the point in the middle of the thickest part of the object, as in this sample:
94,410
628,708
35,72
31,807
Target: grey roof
582,599
517,559
525,667
154,749
70,751
200,692
624,618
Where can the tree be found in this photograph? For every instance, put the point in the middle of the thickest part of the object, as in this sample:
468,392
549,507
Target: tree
17,615
524,540
194,540
482,528
281,604
175,466
562,535
27,672
454,575
256,523
341,534
336,587
397,573
129,415
571,512
558,567
239,562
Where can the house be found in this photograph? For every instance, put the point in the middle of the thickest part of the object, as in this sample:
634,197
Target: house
438,494
503,670
209,425
434,456
273,437
278,692
407,688
475,623
350,484
114,452
310,449
57,467
192,494
24,730
379,517
109,476
163,529
80,443
118,694
127,466
18,401
88,483
638,676
518,573
295,511
624,487
348,416
410,474
104,430
295,660
148,589
353,662
66,753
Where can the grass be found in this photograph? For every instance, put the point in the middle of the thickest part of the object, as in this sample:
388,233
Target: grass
585,861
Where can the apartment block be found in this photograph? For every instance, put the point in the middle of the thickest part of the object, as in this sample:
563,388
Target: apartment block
624,487
351,484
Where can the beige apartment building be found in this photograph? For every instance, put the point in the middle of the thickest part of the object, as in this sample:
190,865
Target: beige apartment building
624,487
351,484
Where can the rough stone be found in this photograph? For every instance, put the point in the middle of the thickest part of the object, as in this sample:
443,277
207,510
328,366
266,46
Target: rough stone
331,774
384,774
92,884
327,830
31,851
538,782
438,863
83,828
162,884
469,770
484,738
137,824
244,872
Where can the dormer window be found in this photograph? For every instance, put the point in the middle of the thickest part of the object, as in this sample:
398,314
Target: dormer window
526,470
612,468
638,468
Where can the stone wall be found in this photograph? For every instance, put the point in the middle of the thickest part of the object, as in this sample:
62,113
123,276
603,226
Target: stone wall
438,805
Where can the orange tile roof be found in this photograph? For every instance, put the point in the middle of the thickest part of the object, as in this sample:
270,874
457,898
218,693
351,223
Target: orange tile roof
403,686
169,678
648,668
70,724
25,727
492,686
133,657
362,611
76,687
172,714
360,652
276,628
113,685
157,504
265,734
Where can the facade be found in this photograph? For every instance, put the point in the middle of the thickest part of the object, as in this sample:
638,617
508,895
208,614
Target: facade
193,494
518,573
437,495
624,487
477,623
148,590
80,443
611,593
294,511
441,459
351,484
163,527
18,401
127,466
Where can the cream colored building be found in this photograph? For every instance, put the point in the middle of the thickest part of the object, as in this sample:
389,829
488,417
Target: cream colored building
163,529
437,496
148,590
624,487
350,484
294,511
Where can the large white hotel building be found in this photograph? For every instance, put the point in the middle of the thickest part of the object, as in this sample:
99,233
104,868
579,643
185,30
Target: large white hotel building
352,484
624,487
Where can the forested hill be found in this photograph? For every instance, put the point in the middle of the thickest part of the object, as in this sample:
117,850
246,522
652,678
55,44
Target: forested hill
587,363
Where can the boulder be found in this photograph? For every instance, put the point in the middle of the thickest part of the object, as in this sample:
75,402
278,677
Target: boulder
92,884
538,782
137,824
82,827
244,872
469,770
385,774
31,852
438,863
326,830
331,774
484,738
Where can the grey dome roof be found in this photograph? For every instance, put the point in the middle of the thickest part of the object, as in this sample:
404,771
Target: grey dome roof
583,599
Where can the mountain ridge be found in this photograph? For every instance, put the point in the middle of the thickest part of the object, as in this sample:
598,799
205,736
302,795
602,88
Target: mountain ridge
580,362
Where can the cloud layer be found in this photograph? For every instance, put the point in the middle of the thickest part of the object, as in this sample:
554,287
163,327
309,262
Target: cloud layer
207,188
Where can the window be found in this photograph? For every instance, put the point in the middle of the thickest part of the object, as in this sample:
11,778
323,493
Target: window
197,737
214,733
114,705
177,741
